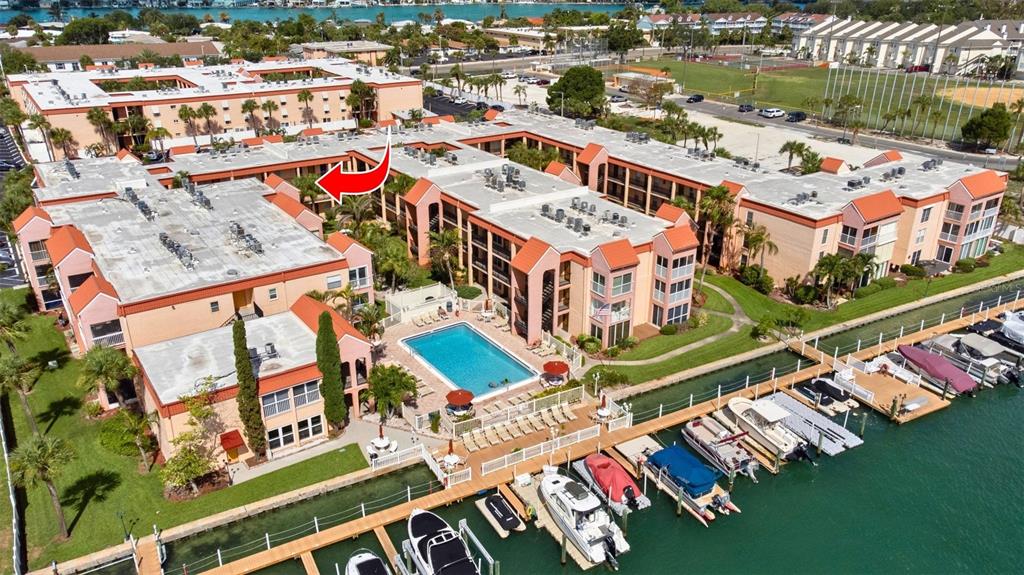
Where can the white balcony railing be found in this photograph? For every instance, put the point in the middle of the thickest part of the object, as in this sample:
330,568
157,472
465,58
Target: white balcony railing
954,215
680,296
886,238
361,283
661,271
951,238
109,340
682,271
869,241
992,212
621,315
40,255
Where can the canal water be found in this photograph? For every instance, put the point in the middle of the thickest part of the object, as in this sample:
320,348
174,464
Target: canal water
472,12
935,495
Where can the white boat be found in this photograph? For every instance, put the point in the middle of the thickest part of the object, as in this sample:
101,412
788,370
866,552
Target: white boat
437,548
366,562
720,447
984,360
762,419
583,519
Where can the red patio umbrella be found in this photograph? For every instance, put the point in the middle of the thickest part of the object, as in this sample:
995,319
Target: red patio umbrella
556,368
459,397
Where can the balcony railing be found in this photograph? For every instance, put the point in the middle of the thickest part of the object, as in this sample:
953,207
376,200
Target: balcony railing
886,238
40,255
621,315
110,340
682,272
661,271
659,295
869,241
992,212
954,215
361,283
679,296
847,239
951,238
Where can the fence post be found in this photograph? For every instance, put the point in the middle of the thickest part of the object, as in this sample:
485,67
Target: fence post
719,396
362,507
922,326
773,373
999,301
858,344
316,523
408,493
746,382
816,341
942,319
1017,296
220,560
981,306
267,537
799,361
757,389
661,407
962,313
803,347
691,400
836,353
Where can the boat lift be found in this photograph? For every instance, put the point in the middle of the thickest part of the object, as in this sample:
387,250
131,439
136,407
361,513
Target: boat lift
407,563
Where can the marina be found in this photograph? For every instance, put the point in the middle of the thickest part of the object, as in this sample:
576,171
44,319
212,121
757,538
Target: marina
544,521
828,436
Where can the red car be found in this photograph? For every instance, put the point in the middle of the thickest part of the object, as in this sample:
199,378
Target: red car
543,82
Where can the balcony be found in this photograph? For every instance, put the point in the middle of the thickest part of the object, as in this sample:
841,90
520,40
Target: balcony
39,255
680,296
868,241
110,340
480,265
360,283
682,272
563,307
621,315
520,299
991,212
951,238
503,278
954,215
503,252
564,281
480,242
848,239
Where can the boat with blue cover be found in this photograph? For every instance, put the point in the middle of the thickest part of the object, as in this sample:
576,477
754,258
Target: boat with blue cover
692,482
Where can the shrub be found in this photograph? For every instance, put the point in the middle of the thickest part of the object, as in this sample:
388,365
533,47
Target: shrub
792,283
92,409
699,319
592,346
669,329
805,294
867,290
609,378
763,328
468,292
886,283
612,351
114,440
912,271
723,153
795,317
628,343
756,277
982,262
435,421
964,265
582,339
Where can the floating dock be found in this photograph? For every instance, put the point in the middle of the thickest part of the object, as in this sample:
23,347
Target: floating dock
309,564
634,449
513,500
531,497
814,427
481,504
389,548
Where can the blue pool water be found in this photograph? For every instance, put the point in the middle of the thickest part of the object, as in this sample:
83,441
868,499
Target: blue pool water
467,359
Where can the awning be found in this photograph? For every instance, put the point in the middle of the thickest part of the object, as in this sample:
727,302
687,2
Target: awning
459,397
231,440
556,368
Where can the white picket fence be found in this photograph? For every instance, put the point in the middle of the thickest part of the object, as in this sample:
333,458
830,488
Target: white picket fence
572,355
457,428
539,449
397,458
447,479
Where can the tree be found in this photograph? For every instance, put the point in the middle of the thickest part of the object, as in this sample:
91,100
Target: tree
369,321
623,37
187,115
39,122
19,376
444,251
158,135
40,460
357,210
520,92
249,409
328,361
793,148
269,107
305,97
989,128
100,119
583,89
360,99
249,107
13,325
759,241
717,207
207,112
104,367
86,31
535,158
62,137
810,162
389,386
830,268
189,462
136,427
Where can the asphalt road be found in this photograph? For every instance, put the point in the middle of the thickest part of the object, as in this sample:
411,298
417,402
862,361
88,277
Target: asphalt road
442,106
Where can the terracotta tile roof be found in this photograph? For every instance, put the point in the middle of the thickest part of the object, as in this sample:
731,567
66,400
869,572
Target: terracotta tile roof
124,154
619,254
342,242
88,291
252,141
231,440
832,165
878,206
387,123
288,205
526,257
555,168
308,311
884,157
30,213
491,114
669,213
984,184
63,241
681,238
589,153
274,139
734,187
273,181
155,170
418,190
438,119
312,132
178,150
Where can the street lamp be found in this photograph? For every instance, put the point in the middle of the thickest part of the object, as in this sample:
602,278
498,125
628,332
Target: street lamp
562,94
120,515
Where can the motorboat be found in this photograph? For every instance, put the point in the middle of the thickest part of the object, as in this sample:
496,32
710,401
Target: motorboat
366,562
581,516
500,515
821,401
842,400
720,447
938,370
693,483
1013,327
612,483
986,361
762,419
437,548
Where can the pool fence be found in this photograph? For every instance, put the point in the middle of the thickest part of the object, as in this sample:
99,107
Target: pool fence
420,451
539,449
455,429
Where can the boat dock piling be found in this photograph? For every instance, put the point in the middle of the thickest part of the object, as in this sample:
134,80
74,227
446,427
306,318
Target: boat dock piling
493,567
816,429
531,496
389,548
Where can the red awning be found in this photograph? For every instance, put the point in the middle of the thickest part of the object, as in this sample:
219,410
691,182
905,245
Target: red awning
556,367
231,440
459,397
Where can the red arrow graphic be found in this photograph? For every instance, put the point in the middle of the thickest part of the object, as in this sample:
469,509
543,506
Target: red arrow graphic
338,183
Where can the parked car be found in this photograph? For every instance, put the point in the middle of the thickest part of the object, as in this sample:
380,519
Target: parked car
617,99
459,101
481,106
796,117
508,75
694,99
531,80
846,141
6,166
746,108
624,89
771,113
498,107
543,82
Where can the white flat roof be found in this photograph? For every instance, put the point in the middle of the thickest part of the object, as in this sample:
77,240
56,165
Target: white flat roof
90,176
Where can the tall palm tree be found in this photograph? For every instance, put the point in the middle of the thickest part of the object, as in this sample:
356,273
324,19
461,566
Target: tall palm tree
62,137
340,299
104,367
369,321
207,112
13,325
269,107
936,116
717,207
793,148
40,460
811,104
357,210
831,269
391,260
855,129
712,134
305,97
39,122
389,386
19,376
249,107
308,190
100,119
520,91
188,115
444,251
136,427
923,103
158,135
1017,107
889,118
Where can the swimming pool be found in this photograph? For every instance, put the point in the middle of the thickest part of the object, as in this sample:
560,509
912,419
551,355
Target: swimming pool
464,358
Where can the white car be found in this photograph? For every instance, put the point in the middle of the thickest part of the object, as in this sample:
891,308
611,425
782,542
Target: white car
771,113
459,101
508,75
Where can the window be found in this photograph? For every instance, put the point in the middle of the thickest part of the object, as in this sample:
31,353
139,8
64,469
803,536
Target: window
915,257
272,294
976,211
306,393
597,331
972,228
214,306
849,236
926,214
622,284
659,289
679,291
618,332
661,266
678,314
824,236
954,212
334,282
920,235
597,284
359,277
750,218
657,315
280,437
275,403
311,427
682,266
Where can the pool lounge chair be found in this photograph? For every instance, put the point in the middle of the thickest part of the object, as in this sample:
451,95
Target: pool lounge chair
557,414
416,322
426,319
434,316
492,436
549,420
538,423
481,439
467,440
524,423
504,432
567,412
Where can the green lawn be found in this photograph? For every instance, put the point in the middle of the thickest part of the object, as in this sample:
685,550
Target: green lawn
659,344
729,345
754,303
714,301
99,484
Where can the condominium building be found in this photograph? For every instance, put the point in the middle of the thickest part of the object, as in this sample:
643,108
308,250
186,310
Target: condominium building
69,58
365,51
65,98
716,23
798,21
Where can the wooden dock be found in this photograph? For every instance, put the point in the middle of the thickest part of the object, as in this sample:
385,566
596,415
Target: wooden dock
309,564
629,465
545,521
390,553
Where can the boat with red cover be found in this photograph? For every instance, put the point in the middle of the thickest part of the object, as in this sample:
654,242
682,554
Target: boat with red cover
938,370
612,483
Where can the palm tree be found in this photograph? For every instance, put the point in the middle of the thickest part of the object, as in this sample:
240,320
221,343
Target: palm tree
158,135
308,190
923,103
389,386
104,367
340,299
357,210
100,120
40,460
810,162
1017,107
811,103
188,115
305,97
269,107
855,128
793,148
759,241
712,134
13,325
830,268
391,260
207,112
39,122
860,265
888,118
520,91
62,137
935,116
18,376
249,107
136,427
444,251
717,207
369,321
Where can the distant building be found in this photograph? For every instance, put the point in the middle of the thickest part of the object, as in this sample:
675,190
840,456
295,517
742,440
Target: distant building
716,23
798,21
365,51
66,58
